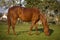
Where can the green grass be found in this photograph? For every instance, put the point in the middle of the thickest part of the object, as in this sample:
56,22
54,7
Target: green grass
23,29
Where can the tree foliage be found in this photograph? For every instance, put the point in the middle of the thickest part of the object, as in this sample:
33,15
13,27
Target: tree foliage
41,4
52,4
8,3
1,14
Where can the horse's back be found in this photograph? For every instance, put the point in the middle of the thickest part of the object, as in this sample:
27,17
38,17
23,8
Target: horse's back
26,14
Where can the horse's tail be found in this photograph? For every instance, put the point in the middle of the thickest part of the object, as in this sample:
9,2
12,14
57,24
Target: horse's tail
8,20
45,23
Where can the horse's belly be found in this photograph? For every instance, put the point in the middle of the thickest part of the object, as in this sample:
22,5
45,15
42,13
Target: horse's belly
25,17
26,20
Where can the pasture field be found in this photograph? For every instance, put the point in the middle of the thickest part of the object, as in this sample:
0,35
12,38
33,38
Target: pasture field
23,29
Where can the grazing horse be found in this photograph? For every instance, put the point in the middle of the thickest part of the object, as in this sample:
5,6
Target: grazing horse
28,15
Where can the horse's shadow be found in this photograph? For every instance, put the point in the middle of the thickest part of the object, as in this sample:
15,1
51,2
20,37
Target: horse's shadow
40,30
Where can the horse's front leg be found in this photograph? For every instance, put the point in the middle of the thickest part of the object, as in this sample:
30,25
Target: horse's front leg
36,28
31,27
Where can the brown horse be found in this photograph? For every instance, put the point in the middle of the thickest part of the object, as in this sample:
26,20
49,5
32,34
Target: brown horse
28,15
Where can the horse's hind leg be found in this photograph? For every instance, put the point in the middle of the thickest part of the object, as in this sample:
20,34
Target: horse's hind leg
9,24
9,27
13,22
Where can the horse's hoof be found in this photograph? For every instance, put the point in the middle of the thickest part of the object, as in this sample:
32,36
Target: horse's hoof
47,34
